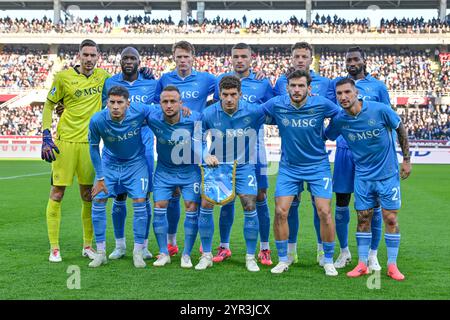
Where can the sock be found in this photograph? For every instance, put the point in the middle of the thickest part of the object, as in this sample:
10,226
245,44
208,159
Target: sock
226,220
99,221
292,247
328,249
377,228
264,222
392,245
282,250
363,241
172,239
264,246
373,253
225,245
251,230
101,246
160,226
342,219
293,222
190,231
316,222
173,215
138,246
119,214
148,207
139,222
86,219
53,214
120,243
206,228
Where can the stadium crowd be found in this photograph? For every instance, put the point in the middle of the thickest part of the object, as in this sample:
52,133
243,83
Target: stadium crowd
22,68
144,25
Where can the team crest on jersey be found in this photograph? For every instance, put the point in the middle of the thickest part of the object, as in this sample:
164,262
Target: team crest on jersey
161,140
159,131
247,120
111,139
108,131
352,137
285,122
311,111
134,123
217,124
372,122
53,91
78,93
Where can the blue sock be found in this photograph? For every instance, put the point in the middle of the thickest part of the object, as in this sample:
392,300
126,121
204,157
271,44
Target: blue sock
173,214
282,248
99,220
293,222
377,228
139,221
328,249
206,228
160,227
190,231
264,220
316,222
392,245
119,214
148,207
226,220
363,242
251,229
342,218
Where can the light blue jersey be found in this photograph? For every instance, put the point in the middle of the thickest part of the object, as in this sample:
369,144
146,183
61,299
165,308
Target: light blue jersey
369,89
320,86
194,89
253,91
236,135
369,137
301,129
123,164
141,91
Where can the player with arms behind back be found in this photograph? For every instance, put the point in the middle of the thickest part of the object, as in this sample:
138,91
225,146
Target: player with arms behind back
80,89
368,126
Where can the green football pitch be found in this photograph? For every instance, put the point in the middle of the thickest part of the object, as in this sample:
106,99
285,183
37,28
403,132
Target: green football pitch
27,274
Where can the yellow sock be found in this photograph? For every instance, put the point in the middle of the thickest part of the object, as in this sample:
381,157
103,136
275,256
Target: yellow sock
53,222
86,219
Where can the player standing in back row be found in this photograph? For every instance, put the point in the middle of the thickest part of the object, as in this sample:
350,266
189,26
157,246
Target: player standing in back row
80,89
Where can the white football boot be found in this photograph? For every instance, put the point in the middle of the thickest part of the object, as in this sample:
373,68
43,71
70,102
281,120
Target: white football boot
117,253
344,259
162,260
330,270
88,252
55,255
205,262
138,259
186,261
280,267
100,259
250,263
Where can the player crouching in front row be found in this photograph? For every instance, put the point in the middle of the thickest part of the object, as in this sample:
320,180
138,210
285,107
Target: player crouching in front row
367,127
122,167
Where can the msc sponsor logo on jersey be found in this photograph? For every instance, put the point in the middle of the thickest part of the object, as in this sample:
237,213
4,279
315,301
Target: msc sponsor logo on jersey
235,133
125,136
365,98
364,135
299,123
190,94
88,91
249,98
139,98
173,142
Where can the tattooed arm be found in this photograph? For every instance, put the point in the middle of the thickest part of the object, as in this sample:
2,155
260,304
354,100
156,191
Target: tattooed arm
405,170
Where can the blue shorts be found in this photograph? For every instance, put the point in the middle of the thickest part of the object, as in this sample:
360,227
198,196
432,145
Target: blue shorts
291,178
344,171
369,193
246,182
166,180
131,178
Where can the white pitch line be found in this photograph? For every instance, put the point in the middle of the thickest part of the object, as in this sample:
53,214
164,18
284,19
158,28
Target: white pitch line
24,176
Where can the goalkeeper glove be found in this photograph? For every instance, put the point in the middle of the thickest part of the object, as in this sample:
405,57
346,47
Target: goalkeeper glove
48,146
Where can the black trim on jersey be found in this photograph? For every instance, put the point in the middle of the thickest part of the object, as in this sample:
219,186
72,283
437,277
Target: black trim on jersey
74,68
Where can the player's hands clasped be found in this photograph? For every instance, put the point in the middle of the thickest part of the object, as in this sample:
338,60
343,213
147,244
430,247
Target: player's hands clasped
48,146
405,169
212,161
98,187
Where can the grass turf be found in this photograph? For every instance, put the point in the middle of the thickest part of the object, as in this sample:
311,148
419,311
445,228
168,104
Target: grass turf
27,274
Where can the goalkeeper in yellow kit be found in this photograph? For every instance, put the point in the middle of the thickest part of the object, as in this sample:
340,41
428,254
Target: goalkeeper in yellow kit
80,90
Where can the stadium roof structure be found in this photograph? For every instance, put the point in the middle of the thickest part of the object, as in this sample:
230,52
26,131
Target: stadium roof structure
221,5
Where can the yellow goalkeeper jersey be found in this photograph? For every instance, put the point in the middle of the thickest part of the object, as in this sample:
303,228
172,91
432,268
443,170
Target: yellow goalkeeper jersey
81,96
